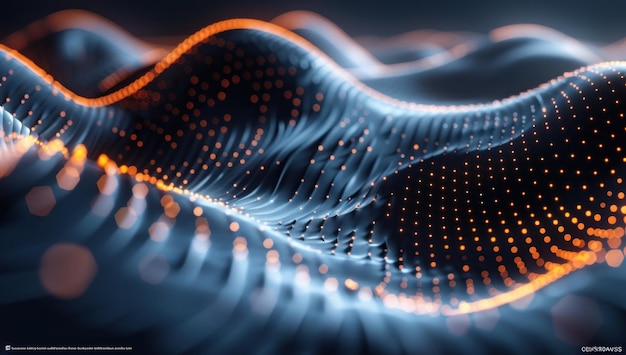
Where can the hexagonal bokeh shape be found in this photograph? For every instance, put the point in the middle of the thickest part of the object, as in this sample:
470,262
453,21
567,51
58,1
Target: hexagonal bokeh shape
66,270
40,200
576,319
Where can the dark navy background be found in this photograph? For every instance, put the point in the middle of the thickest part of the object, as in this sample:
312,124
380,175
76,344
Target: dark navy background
599,20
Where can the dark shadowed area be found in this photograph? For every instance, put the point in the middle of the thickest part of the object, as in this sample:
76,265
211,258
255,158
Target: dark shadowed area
600,20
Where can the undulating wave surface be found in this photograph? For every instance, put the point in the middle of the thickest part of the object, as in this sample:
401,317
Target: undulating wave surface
279,186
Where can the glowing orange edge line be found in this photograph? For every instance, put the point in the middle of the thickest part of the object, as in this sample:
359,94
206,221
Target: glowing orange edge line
579,261
251,24
234,24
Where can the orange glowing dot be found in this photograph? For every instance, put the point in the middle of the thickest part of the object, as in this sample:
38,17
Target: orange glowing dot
323,269
273,257
614,243
240,244
126,217
107,184
51,148
614,258
140,191
234,226
40,200
351,284
197,211
296,258
68,178
268,243
166,200
66,270
172,209
80,153
595,245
